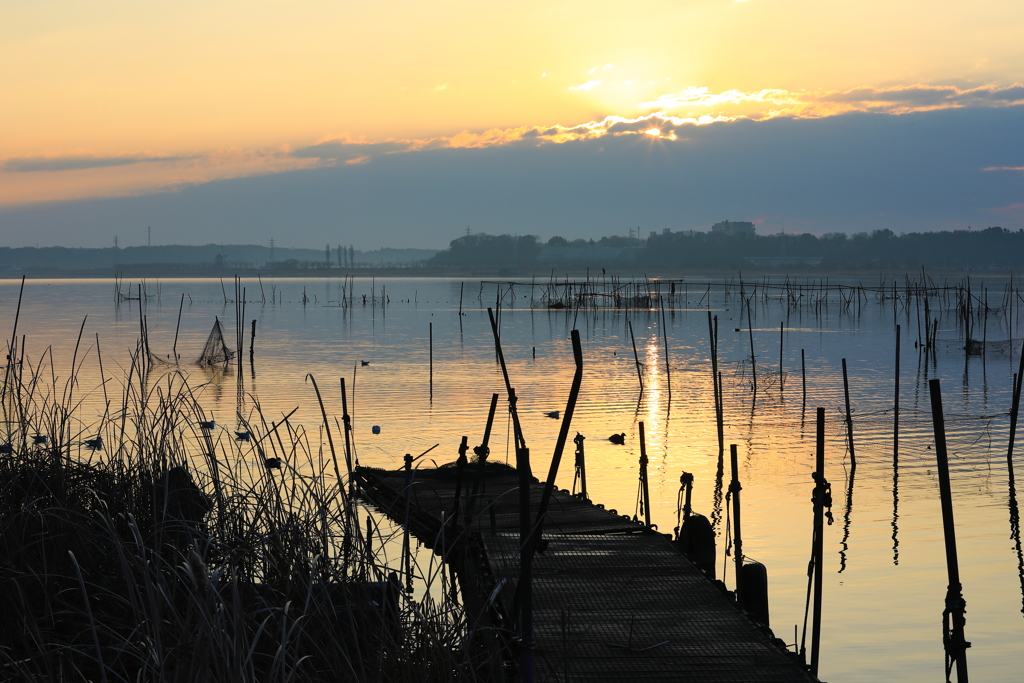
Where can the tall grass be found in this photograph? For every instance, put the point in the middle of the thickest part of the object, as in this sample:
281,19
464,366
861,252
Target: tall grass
174,552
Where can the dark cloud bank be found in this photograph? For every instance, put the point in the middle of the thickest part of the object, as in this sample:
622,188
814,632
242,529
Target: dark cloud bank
848,173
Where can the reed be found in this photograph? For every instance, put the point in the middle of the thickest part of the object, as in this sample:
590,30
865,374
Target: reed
147,546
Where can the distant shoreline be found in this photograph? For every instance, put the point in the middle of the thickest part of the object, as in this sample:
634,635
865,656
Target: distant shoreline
869,277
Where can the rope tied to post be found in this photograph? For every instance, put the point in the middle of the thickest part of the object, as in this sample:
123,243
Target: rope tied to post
953,641
682,509
822,493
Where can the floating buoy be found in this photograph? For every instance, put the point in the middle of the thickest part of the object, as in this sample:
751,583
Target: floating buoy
619,439
697,542
376,429
753,596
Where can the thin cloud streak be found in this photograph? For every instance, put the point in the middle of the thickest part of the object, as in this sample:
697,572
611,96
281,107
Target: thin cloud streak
80,163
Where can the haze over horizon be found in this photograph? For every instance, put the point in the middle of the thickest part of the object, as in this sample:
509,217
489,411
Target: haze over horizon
402,126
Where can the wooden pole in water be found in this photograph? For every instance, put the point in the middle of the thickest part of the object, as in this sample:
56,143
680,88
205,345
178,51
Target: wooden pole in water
849,416
782,335
734,491
643,479
177,327
818,549
1015,407
639,375
896,405
252,341
953,615
753,362
803,376
664,337
431,344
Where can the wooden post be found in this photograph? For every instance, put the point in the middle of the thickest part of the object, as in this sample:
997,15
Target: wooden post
177,327
252,341
734,491
953,614
1015,408
664,337
803,376
782,335
849,416
818,544
896,405
563,435
636,358
645,488
431,344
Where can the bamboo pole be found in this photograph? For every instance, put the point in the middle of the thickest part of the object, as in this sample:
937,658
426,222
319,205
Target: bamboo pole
849,416
955,605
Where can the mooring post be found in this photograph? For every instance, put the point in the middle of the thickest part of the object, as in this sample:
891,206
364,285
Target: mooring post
481,452
734,492
563,434
953,615
849,416
406,546
645,489
581,468
525,590
460,472
686,479
822,495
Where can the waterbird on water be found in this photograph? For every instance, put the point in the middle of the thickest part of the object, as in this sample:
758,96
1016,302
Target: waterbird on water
6,448
619,439
553,414
94,444
364,363
273,463
39,439
207,425
242,436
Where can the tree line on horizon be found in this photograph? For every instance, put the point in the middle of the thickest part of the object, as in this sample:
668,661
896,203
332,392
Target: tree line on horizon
993,247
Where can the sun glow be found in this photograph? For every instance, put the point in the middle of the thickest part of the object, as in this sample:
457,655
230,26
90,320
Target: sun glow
653,131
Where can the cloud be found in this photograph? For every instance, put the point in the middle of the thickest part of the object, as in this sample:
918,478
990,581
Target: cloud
773,102
855,172
342,150
78,163
589,85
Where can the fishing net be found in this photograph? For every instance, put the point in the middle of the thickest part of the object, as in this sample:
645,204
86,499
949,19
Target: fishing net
215,352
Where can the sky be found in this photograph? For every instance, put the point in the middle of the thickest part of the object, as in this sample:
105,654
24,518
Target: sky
405,124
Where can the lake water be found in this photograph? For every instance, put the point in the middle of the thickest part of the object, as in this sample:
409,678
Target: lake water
885,572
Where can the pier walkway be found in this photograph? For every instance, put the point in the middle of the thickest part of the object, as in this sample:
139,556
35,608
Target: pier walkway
612,600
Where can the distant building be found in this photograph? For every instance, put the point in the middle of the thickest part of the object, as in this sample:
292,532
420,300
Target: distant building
733,228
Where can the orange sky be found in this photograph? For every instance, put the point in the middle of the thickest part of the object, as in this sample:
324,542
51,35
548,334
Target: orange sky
113,98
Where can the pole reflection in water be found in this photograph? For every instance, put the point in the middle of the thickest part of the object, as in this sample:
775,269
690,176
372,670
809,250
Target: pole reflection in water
846,517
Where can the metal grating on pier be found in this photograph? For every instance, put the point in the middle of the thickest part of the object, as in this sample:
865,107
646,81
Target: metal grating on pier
612,601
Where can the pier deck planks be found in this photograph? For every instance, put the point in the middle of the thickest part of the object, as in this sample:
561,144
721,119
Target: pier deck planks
611,602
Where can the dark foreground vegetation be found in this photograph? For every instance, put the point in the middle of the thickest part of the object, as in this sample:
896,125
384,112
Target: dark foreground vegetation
150,544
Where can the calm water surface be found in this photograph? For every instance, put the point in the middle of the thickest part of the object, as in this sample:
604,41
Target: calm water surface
884,558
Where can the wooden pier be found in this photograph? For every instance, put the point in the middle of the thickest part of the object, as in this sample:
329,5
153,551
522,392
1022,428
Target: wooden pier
612,599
